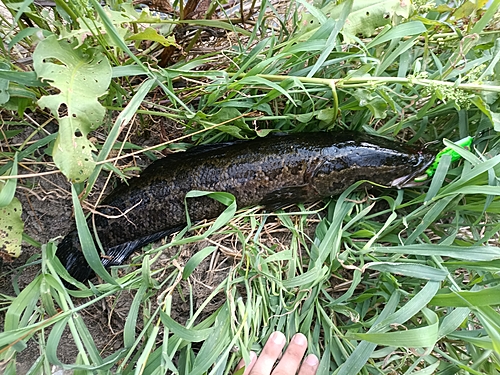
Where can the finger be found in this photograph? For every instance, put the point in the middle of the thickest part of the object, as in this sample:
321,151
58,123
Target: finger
290,362
253,359
270,353
310,365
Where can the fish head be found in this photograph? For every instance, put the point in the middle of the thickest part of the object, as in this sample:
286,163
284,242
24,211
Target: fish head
418,164
379,161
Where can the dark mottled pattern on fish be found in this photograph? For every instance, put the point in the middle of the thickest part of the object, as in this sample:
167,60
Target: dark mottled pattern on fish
273,171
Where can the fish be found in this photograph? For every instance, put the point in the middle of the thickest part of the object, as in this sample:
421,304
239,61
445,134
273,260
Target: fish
271,171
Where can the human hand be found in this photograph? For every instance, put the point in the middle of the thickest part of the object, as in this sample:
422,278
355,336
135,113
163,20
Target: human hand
289,363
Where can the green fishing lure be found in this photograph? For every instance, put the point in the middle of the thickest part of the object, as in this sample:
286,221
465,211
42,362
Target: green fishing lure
465,143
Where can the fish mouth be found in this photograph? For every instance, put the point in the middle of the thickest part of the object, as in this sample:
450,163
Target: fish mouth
409,180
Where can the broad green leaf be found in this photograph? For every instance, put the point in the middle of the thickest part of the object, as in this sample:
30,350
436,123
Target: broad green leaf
82,75
467,8
364,17
95,26
313,18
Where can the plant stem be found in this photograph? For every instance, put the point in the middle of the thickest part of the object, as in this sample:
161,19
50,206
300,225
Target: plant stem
370,81
444,37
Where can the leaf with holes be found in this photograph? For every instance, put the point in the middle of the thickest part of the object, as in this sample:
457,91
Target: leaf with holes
365,17
11,228
81,75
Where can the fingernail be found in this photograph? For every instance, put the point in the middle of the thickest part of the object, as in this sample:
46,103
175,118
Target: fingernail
278,338
300,339
312,360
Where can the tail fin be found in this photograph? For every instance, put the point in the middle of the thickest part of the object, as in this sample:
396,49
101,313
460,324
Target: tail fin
70,253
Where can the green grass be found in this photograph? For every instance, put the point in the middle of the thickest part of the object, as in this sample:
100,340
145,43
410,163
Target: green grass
381,282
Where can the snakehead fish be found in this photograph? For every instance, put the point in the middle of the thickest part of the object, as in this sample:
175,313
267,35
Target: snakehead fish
271,171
